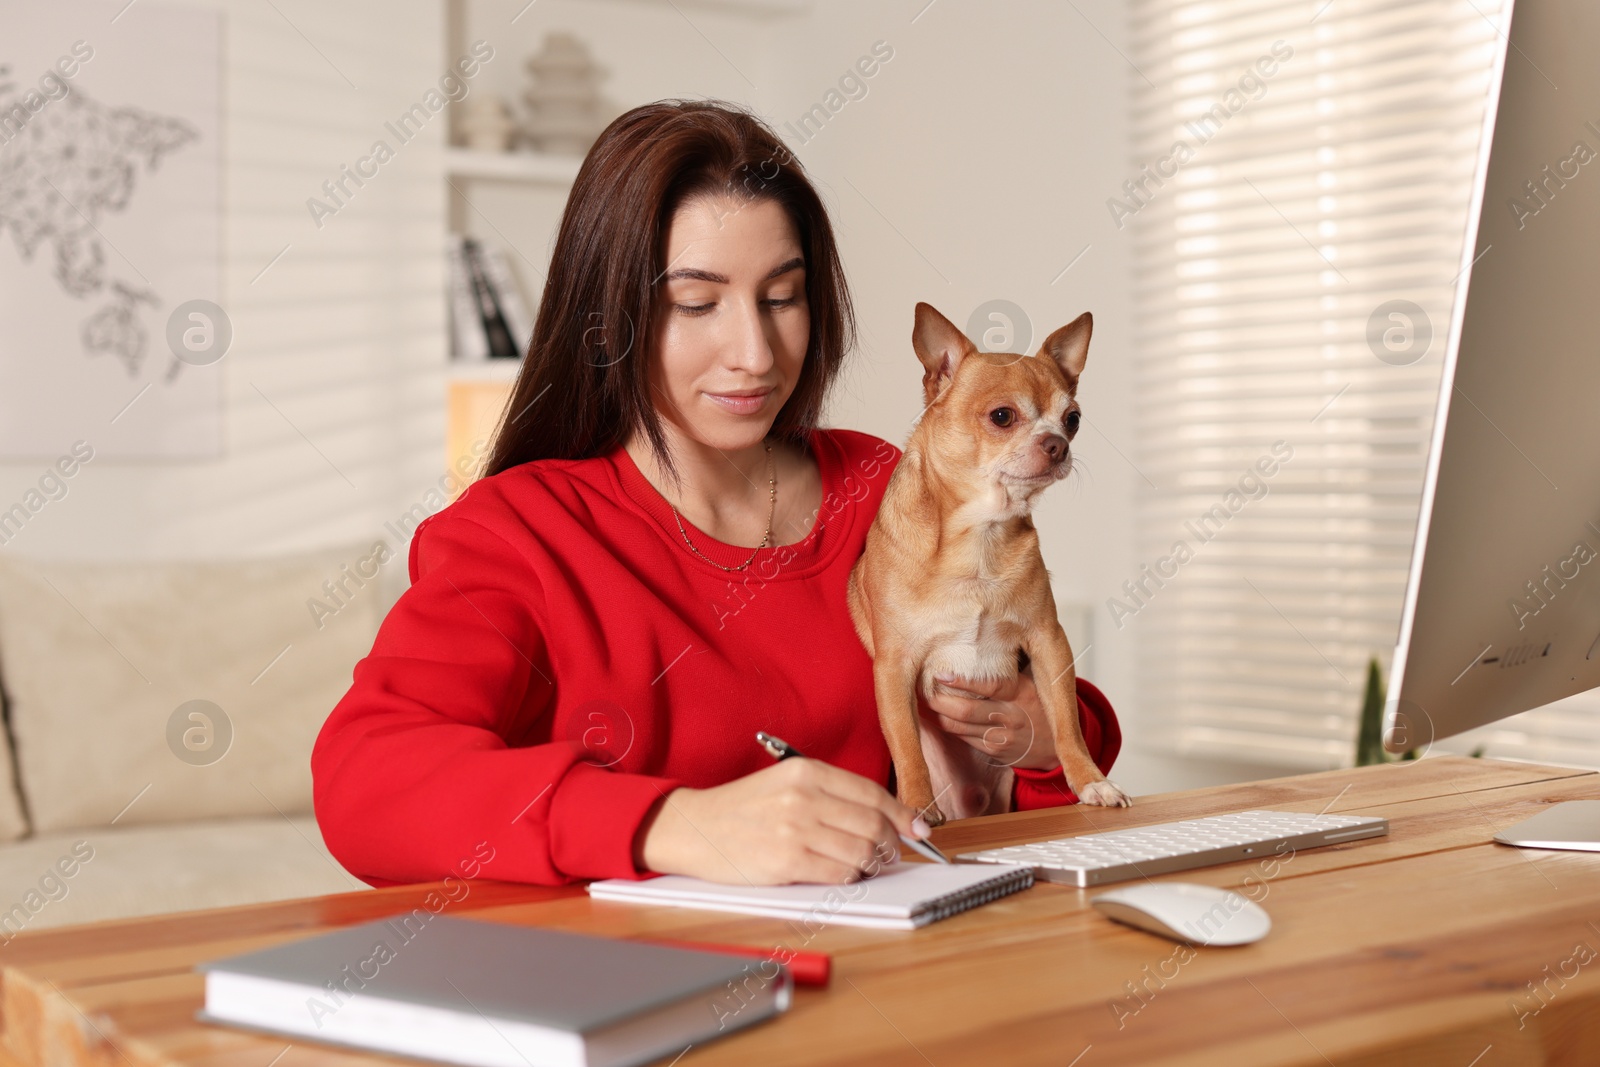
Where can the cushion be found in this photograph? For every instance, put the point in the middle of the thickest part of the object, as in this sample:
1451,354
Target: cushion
174,691
71,877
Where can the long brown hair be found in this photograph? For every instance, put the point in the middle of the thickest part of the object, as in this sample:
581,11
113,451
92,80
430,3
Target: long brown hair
583,388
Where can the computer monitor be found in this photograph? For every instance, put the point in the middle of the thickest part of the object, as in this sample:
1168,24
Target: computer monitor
1502,609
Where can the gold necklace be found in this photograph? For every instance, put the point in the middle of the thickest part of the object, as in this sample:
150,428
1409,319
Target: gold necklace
772,511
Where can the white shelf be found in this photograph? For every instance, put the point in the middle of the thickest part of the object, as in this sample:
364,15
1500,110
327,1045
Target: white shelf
529,167
755,8
486,370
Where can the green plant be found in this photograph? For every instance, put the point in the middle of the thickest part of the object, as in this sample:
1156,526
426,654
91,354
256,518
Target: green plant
1369,739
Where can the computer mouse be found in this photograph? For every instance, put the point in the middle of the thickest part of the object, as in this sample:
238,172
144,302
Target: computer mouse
1187,911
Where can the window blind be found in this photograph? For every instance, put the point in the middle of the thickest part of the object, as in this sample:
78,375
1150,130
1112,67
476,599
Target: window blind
1297,205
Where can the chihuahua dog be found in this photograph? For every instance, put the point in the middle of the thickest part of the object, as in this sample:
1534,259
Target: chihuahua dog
951,582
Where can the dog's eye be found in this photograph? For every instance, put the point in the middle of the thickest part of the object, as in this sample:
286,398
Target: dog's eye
1002,416
1071,422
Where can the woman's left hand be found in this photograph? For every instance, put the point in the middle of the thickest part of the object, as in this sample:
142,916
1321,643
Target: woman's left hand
1004,720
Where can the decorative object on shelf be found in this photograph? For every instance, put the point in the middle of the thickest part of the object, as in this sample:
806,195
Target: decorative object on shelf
566,111
486,123
488,317
528,168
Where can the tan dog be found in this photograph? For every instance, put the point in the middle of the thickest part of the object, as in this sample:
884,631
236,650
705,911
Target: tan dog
952,582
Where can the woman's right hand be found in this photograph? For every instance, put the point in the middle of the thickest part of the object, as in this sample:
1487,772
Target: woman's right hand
797,821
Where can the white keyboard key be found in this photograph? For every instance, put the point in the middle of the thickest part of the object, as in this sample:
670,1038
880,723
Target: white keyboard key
1116,855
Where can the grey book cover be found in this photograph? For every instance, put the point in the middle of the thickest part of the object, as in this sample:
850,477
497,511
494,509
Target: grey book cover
565,981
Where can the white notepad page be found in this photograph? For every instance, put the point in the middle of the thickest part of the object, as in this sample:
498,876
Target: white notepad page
902,896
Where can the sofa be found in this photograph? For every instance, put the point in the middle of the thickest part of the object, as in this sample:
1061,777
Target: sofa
158,723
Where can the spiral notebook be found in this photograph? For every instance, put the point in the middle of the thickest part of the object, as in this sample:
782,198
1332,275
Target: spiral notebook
903,896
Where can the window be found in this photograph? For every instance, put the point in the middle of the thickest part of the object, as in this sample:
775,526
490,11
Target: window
1298,205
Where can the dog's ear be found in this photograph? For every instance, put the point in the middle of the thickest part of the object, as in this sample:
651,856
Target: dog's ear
1069,346
941,348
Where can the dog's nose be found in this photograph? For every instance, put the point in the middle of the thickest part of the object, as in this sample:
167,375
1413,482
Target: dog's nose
1054,445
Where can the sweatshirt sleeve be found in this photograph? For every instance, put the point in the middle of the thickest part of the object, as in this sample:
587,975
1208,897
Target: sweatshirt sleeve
415,776
1101,734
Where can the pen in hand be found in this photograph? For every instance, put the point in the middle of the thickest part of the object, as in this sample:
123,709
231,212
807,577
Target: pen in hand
780,750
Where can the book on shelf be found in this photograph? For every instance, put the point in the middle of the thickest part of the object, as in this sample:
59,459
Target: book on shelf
468,341
488,994
507,296
488,317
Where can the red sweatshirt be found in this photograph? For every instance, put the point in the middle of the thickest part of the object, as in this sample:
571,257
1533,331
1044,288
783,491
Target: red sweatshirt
561,661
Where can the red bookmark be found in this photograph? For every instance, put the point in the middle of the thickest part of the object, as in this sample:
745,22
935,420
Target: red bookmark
807,968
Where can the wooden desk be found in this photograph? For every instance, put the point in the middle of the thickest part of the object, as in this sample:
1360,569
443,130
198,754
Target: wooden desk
1415,948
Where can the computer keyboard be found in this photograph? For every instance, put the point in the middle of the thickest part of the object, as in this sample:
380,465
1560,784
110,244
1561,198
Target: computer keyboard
1117,855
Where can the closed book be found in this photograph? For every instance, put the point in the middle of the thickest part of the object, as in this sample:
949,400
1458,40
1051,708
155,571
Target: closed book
507,296
493,995
468,341
501,344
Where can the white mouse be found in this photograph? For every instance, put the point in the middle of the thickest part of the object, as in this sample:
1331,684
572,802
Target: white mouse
1187,911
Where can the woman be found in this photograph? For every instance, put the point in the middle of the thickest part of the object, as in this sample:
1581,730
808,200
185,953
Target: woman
653,567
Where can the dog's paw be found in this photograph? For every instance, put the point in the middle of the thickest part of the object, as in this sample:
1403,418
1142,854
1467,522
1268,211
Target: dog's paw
1105,794
932,815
